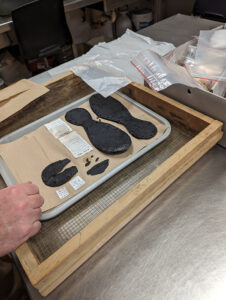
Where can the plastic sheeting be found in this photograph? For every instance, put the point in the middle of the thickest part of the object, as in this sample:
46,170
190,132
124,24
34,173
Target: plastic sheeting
107,68
210,57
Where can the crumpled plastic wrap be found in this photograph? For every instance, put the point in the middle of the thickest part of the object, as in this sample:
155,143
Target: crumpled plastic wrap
107,68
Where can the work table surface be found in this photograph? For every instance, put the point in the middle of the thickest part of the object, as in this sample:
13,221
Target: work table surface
175,249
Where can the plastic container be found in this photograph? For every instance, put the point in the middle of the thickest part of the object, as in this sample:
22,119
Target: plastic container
123,22
142,18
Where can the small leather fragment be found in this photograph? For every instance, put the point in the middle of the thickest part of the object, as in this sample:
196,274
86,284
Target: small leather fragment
88,162
99,168
51,175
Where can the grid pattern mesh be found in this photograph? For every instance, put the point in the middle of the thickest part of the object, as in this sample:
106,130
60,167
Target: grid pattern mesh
58,231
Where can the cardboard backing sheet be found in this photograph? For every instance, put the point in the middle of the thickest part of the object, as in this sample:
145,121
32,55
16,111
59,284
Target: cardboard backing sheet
28,156
17,96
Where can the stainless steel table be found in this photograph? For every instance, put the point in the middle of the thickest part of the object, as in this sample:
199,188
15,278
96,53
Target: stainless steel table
70,5
175,249
178,29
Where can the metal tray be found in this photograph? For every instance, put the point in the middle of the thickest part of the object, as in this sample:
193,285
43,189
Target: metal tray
9,179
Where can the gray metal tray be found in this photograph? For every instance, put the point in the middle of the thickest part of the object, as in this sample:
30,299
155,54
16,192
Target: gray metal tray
9,179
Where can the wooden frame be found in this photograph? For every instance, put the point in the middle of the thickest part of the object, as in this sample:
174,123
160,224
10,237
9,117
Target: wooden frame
205,132
110,5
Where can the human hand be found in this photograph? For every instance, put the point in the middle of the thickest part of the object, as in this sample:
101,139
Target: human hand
20,211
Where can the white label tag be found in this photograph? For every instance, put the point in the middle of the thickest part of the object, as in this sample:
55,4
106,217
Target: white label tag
58,128
75,144
62,193
77,182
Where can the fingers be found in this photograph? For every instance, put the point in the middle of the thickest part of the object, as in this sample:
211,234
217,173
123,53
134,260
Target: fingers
36,214
20,207
35,228
36,201
30,188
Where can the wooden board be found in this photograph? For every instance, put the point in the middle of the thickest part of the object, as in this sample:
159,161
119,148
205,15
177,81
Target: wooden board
62,92
110,5
205,133
18,96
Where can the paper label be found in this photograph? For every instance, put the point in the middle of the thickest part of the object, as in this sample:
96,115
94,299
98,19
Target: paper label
77,182
58,128
62,193
75,144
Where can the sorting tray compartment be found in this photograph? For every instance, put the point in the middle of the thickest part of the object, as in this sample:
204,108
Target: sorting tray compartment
68,240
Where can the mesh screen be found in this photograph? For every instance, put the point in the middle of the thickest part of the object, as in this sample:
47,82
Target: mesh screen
56,232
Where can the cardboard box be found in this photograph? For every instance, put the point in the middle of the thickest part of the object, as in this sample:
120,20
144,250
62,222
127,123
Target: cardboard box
203,101
176,29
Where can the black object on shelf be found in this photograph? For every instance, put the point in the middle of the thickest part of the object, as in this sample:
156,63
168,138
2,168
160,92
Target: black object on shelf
42,30
213,10
7,6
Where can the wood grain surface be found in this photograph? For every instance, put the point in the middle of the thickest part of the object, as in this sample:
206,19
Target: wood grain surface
62,92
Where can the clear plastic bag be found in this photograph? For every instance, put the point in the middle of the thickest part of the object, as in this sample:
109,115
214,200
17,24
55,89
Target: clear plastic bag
106,67
219,88
159,73
210,57
189,59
